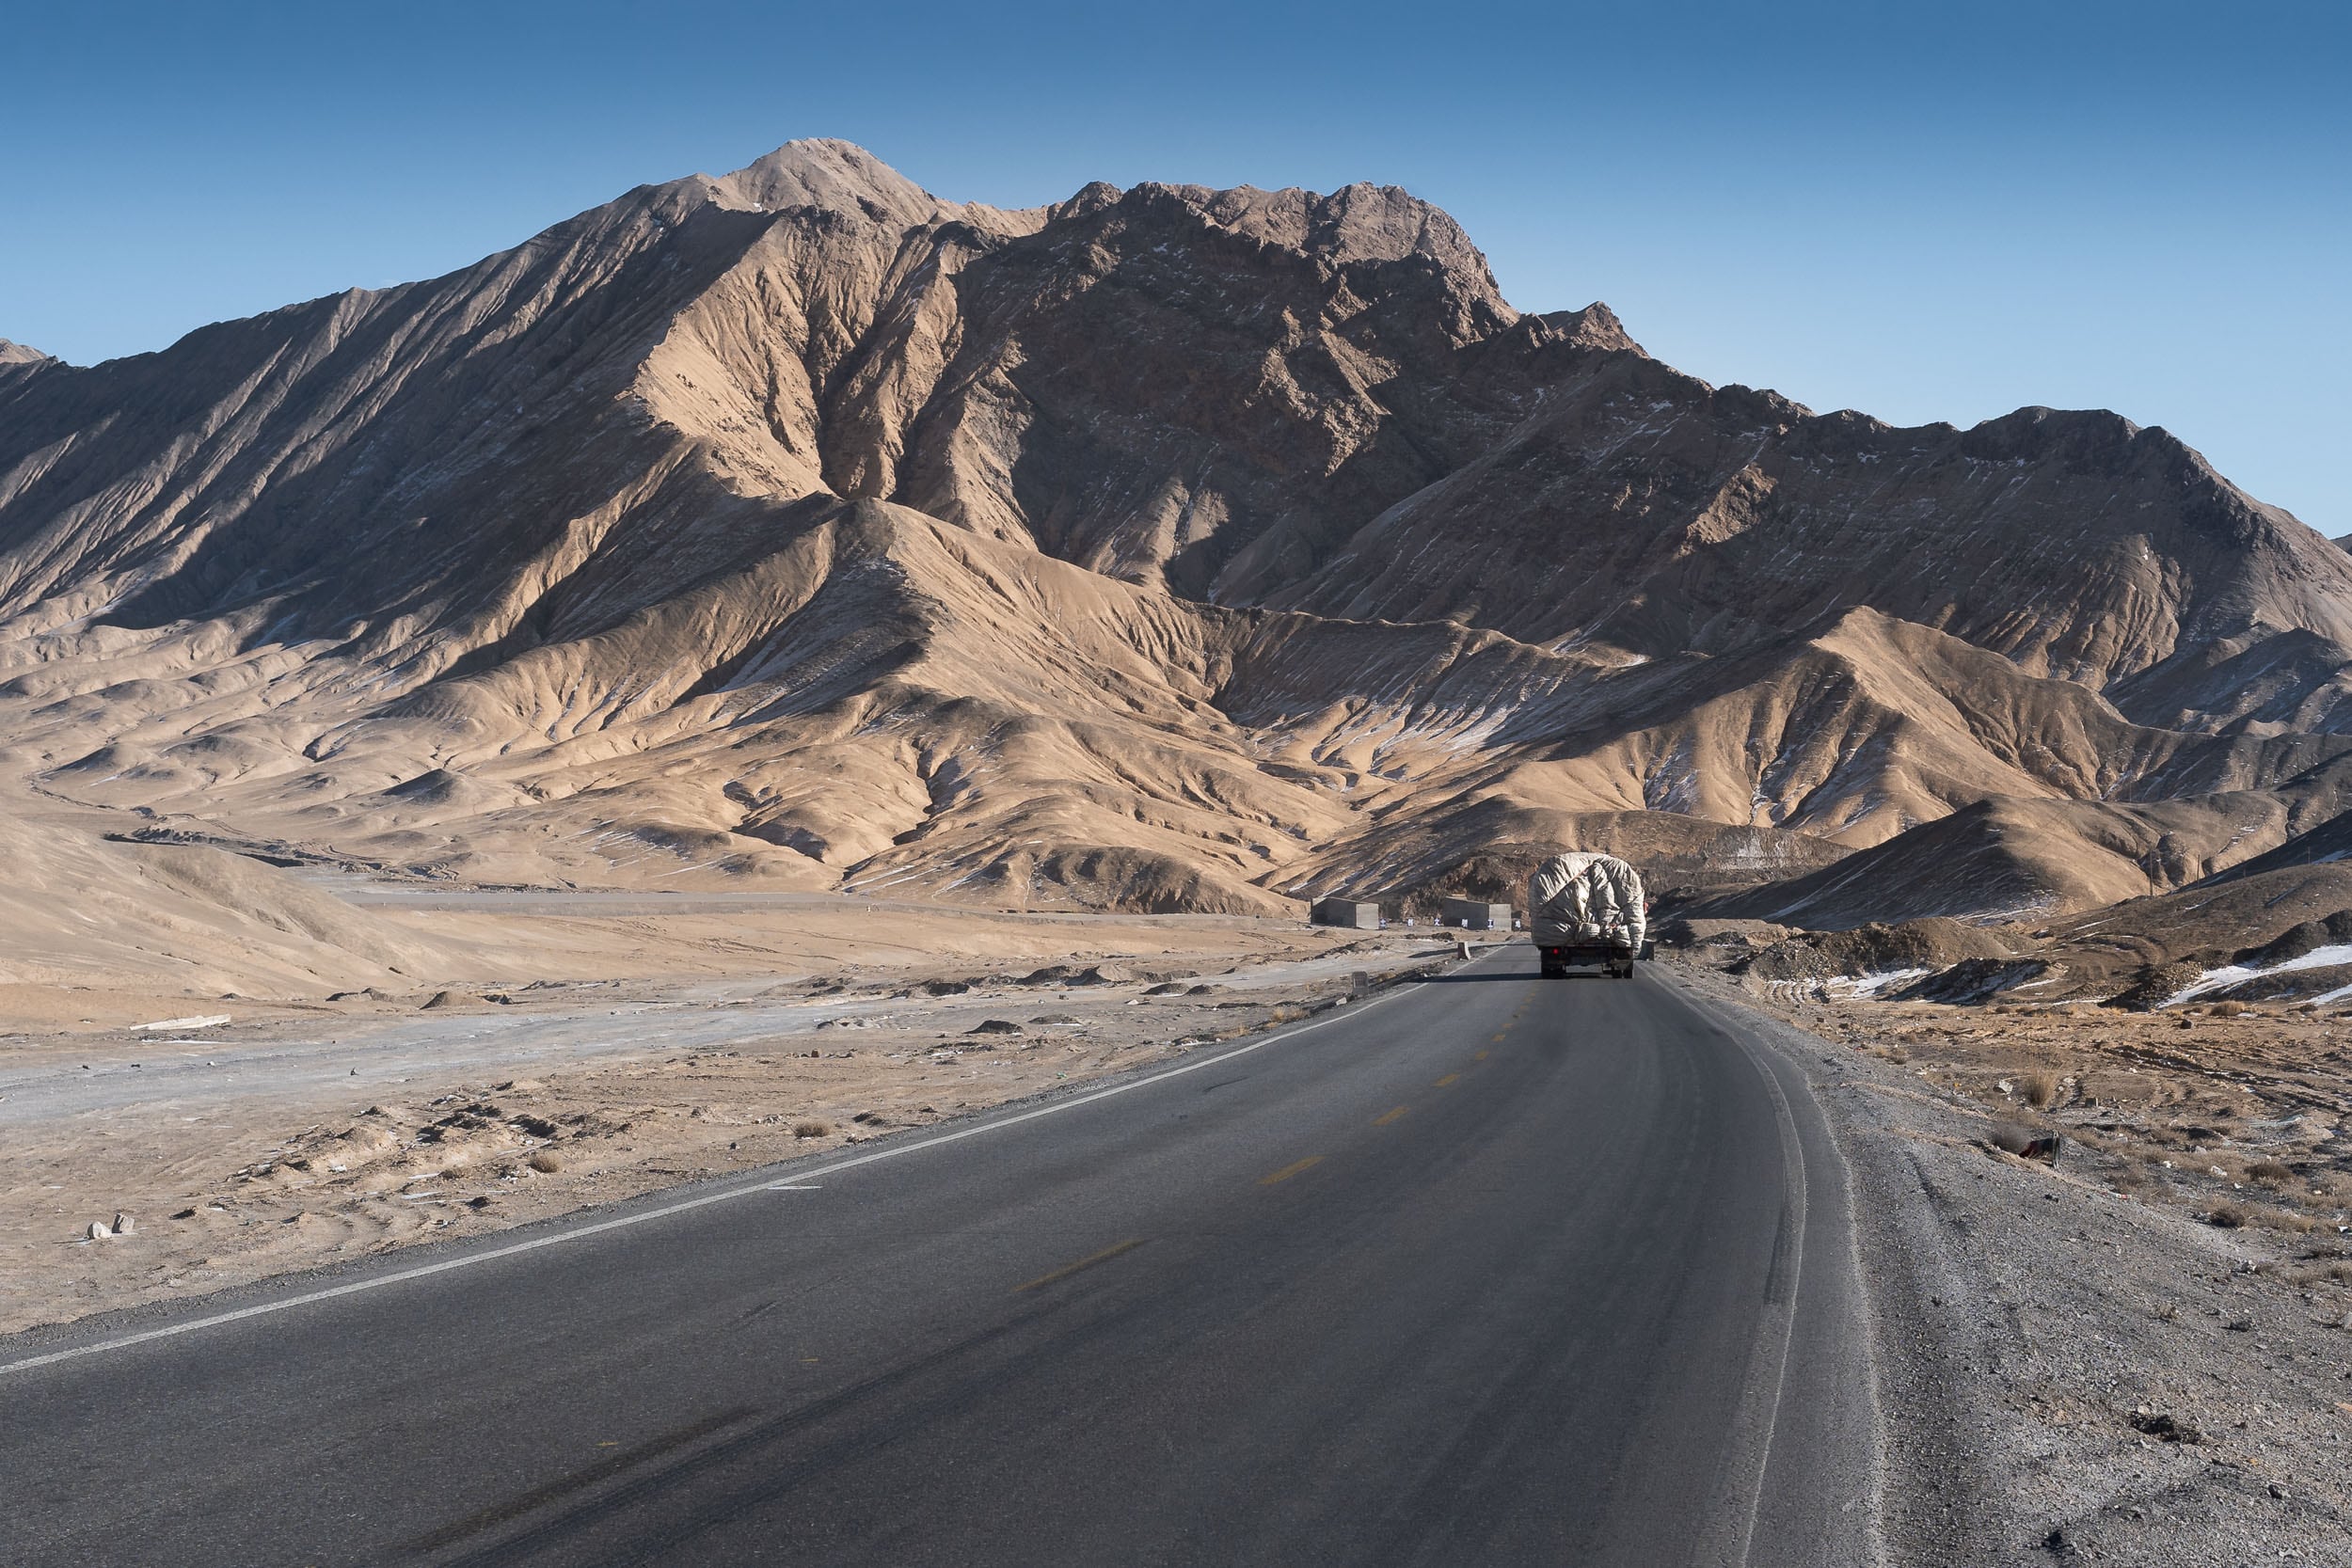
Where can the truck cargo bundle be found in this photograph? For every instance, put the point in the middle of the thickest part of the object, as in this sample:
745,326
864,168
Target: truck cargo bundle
1586,911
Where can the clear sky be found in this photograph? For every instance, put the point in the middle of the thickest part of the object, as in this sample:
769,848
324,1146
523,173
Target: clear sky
1925,210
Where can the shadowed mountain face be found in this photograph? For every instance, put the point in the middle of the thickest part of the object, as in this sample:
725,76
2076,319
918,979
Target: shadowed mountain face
1167,548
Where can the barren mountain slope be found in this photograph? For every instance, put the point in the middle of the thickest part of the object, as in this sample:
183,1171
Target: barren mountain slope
1647,512
1164,548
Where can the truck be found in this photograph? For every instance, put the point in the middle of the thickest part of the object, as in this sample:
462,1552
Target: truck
1586,913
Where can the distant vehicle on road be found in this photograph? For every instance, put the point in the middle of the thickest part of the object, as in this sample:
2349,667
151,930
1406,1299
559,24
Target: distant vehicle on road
1587,914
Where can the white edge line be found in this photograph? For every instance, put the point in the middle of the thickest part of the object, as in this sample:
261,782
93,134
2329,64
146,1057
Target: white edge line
1757,1408
576,1233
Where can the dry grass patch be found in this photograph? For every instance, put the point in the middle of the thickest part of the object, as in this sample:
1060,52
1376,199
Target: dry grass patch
812,1128
546,1161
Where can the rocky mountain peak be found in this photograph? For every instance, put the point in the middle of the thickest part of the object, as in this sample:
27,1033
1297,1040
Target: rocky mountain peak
1357,223
18,353
837,176
1594,327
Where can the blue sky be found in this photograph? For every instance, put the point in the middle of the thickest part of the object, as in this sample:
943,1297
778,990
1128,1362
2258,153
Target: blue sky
1926,210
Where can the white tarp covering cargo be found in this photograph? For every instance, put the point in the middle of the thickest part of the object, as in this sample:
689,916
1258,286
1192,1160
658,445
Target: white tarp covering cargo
1582,898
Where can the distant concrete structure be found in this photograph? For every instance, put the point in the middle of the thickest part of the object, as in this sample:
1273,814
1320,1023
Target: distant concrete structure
1346,911
1468,914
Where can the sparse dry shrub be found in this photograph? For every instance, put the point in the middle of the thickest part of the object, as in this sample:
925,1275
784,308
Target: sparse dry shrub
2286,1219
812,1128
545,1161
2227,1009
2272,1171
2039,1088
2226,1216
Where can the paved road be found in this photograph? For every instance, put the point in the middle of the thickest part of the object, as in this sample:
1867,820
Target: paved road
1489,1270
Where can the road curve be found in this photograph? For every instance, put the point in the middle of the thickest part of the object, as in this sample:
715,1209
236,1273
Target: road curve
1488,1270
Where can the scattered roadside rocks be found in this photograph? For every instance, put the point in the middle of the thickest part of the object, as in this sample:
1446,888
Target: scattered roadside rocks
994,1026
1061,974
2162,1425
2025,1142
97,1232
439,999
123,1224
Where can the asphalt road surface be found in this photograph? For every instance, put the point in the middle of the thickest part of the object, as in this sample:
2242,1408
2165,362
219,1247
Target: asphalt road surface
1486,1270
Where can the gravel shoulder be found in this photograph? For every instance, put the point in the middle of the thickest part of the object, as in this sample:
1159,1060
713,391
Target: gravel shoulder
2074,1367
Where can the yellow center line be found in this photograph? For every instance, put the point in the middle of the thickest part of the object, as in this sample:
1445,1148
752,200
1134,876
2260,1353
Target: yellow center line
1384,1120
1068,1269
1447,1079
1479,1058
1290,1170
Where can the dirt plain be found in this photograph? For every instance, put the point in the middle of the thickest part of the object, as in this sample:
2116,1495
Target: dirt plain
302,1132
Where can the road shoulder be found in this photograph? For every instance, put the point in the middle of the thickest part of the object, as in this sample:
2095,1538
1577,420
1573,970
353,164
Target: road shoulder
2026,1317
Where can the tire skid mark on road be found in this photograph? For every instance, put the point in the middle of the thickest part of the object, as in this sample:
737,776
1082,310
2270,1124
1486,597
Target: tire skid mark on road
564,1486
589,1510
1068,1269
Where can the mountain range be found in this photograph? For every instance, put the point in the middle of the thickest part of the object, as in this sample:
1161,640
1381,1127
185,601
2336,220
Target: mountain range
1164,548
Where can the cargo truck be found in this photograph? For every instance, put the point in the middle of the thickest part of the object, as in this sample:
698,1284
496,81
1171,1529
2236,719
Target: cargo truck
1587,914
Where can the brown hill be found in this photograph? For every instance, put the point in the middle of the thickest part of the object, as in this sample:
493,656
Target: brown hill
1164,548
